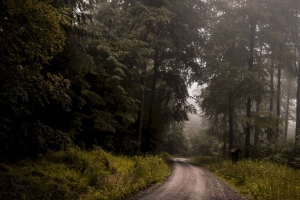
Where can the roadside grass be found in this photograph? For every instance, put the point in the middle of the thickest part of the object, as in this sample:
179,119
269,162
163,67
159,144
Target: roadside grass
259,180
76,174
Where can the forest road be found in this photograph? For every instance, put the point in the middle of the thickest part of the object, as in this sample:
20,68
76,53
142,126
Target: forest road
189,182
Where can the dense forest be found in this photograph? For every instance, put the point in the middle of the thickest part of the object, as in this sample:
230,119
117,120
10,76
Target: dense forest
116,73
251,59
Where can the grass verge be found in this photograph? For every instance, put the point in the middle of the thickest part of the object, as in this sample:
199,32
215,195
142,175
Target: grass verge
76,174
259,180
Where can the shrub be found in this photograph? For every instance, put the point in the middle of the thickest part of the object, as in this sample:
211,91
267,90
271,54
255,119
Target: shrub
282,153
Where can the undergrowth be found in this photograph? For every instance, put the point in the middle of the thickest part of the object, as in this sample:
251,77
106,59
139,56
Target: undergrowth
76,174
261,180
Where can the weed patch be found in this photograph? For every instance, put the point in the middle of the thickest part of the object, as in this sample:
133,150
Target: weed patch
76,174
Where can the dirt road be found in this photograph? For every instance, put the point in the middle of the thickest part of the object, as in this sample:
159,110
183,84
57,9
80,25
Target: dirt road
188,182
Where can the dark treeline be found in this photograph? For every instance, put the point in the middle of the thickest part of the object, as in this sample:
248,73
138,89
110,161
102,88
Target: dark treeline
107,73
115,73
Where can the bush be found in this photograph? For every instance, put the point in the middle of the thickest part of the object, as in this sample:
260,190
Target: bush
282,153
44,139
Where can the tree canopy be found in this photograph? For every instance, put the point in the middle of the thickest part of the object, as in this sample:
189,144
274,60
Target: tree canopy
116,73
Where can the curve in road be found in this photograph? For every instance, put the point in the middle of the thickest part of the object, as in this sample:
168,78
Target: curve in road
189,182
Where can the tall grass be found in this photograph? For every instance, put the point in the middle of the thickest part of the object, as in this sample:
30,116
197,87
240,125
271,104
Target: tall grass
74,174
260,180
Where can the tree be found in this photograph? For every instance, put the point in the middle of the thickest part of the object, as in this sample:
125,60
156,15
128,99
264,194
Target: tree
294,17
237,60
28,45
175,140
111,55
175,51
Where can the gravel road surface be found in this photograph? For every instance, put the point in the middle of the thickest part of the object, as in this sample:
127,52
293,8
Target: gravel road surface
188,182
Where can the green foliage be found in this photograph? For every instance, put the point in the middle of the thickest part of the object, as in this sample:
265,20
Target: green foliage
43,138
175,39
75,174
282,153
175,141
204,144
258,179
70,69
25,32
204,161
248,44
26,92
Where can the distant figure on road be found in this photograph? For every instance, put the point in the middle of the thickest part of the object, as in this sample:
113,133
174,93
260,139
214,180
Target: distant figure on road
234,153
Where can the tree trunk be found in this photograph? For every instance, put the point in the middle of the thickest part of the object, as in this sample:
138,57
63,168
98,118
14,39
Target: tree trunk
225,150
270,132
248,129
297,46
298,111
287,110
250,68
279,89
230,118
257,130
272,82
153,88
141,109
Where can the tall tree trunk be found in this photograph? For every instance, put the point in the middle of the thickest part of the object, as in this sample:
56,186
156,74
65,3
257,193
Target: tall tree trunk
225,150
257,130
141,108
153,88
297,46
287,110
272,81
250,68
230,118
279,89
298,110
248,129
269,131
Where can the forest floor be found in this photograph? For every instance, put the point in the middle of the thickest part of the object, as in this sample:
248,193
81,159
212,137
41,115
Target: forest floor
189,182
